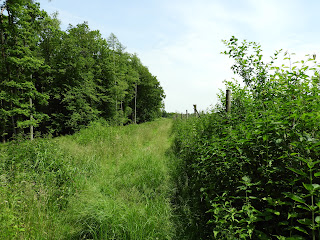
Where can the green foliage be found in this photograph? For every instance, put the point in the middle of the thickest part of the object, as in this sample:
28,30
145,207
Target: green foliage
20,64
60,81
105,182
35,184
253,173
150,96
127,193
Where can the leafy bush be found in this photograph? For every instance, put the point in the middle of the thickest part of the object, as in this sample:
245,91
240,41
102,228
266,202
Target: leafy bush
253,173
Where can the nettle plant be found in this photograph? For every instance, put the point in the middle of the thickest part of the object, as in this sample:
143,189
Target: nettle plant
257,168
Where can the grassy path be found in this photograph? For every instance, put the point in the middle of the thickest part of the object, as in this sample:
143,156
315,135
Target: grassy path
100,183
125,187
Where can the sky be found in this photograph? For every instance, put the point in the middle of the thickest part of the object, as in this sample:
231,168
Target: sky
180,41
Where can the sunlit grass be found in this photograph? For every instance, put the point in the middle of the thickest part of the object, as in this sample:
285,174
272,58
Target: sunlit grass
101,183
127,195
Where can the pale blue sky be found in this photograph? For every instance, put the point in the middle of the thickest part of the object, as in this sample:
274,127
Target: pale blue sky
180,40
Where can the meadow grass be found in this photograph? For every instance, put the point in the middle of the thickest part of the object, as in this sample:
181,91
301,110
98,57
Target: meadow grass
101,183
34,187
127,195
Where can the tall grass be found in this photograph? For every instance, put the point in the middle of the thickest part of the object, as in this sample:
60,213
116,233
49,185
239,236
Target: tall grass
35,187
127,194
101,183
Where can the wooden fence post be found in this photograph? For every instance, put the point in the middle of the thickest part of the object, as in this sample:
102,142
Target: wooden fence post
195,109
187,114
228,101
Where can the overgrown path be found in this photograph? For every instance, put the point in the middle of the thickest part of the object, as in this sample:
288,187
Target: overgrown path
103,182
125,189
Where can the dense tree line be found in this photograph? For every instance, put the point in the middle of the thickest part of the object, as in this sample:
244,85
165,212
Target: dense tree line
59,81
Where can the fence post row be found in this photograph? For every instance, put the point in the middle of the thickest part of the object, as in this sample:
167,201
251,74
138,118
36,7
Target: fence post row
196,114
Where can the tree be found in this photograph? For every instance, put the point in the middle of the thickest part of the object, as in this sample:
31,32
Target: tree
134,80
149,96
20,98
60,81
119,72
75,89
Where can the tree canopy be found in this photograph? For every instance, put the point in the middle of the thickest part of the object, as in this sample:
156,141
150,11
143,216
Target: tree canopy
59,81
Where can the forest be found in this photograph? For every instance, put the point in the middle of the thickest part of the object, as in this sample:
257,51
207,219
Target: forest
56,82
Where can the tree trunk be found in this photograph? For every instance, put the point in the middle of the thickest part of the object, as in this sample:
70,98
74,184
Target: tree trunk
228,101
135,105
31,118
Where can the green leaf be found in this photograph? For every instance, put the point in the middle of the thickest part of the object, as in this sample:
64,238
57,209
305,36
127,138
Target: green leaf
303,207
284,223
316,162
265,137
301,230
294,238
293,154
316,186
317,174
310,164
305,221
295,198
311,187
317,219
298,171
246,179
273,211
292,215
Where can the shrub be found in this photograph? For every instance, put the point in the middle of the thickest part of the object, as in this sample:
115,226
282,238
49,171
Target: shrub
253,172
